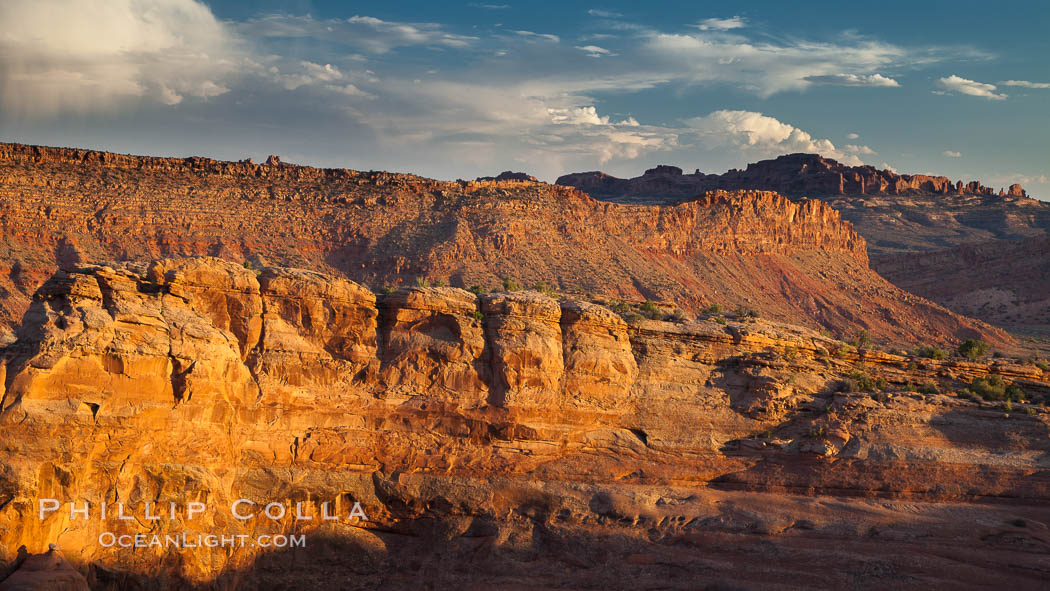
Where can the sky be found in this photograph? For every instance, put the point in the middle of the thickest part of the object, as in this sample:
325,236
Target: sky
465,89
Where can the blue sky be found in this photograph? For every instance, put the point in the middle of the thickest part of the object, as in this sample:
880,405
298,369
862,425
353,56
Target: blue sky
464,89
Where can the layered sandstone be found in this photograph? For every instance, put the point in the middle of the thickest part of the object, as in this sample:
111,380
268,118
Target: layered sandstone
792,261
894,213
538,441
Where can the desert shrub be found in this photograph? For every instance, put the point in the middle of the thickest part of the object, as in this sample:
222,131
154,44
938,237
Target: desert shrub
820,431
634,317
439,283
858,381
677,316
930,352
862,340
994,388
927,388
422,281
509,284
387,290
478,315
248,265
1008,406
744,312
544,288
1015,392
477,289
973,348
713,309
721,320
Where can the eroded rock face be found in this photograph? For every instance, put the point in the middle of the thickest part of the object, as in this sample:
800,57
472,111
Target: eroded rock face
497,426
791,174
793,261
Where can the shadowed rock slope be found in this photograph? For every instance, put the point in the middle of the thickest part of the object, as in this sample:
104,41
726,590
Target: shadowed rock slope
508,439
796,262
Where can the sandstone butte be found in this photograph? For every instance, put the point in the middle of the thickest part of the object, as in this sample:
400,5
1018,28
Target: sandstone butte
509,440
796,262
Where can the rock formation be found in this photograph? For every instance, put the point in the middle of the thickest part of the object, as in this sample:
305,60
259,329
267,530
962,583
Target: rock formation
926,234
894,213
793,261
510,176
793,175
507,438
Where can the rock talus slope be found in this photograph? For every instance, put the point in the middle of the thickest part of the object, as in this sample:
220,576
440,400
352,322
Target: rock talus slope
509,438
795,262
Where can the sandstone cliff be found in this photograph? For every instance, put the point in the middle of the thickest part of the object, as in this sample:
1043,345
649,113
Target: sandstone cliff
894,213
792,174
793,261
509,438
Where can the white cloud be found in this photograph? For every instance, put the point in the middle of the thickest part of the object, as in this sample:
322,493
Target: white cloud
855,149
722,24
595,51
853,80
763,136
368,33
603,13
954,83
395,34
886,166
852,136
490,6
1025,84
768,68
538,36
951,154
72,56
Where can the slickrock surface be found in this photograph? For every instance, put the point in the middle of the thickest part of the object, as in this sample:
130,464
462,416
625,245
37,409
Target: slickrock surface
508,440
894,213
793,261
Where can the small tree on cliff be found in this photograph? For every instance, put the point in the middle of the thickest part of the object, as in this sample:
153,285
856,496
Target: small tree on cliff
973,349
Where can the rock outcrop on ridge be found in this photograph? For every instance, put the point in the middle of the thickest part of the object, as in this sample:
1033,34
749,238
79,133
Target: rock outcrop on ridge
796,262
894,213
508,438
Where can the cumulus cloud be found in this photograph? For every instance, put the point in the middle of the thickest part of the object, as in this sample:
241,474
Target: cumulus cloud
509,96
952,154
852,136
722,24
853,80
762,135
1025,84
955,83
66,55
